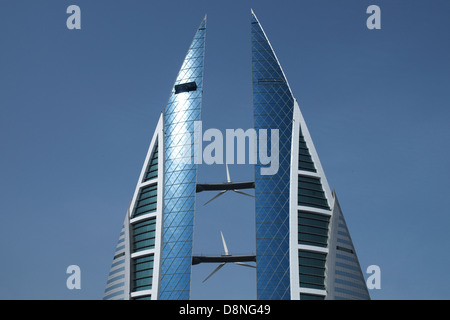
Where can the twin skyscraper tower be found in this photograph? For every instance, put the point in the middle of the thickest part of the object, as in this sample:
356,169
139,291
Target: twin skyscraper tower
303,247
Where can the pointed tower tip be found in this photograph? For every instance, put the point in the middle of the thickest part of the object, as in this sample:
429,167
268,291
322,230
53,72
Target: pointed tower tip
203,23
254,18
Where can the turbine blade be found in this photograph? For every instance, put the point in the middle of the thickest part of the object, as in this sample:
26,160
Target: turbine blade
217,195
224,243
245,194
228,174
244,264
215,270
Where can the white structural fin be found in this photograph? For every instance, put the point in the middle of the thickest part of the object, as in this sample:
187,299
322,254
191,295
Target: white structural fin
140,238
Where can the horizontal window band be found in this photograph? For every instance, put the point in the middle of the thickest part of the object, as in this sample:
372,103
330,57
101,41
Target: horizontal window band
119,255
147,225
312,271
313,243
307,221
138,214
145,278
144,259
304,151
307,296
143,267
144,230
311,279
147,195
303,145
312,255
119,277
142,297
137,250
144,236
308,204
310,187
144,244
312,285
303,236
144,210
306,165
344,249
307,169
311,193
147,202
143,281
143,262
150,187
153,168
311,263
144,222
305,158
116,271
309,179
112,295
312,199
146,233
151,177
313,215
315,224
115,286
313,230
308,262
142,286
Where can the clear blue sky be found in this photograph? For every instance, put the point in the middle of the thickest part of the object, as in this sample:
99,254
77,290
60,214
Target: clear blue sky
78,109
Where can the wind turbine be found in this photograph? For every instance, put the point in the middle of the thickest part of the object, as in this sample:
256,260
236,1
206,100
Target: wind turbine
225,190
227,258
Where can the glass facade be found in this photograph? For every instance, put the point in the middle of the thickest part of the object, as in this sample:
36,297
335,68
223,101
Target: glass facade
313,229
305,296
310,193
305,161
183,108
147,200
152,169
157,237
312,269
273,109
144,235
142,273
